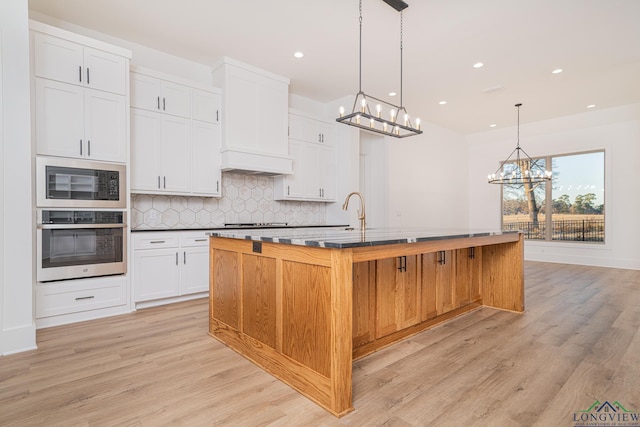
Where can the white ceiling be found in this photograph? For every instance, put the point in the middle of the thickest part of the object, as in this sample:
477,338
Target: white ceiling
596,42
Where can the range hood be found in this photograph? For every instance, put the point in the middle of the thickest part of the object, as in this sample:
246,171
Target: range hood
253,162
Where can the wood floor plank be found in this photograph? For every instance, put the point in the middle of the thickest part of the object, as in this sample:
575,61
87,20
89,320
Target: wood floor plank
577,342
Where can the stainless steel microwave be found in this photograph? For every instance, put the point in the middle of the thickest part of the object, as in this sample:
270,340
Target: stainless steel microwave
76,183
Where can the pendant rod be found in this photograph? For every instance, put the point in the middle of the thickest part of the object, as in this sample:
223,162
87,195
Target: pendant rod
401,22
360,53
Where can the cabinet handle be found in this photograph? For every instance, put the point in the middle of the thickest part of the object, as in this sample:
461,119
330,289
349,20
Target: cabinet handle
157,241
80,73
472,253
443,258
88,148
402,260
319,137
200,240
88,81
158,103
88,297
164,182
164,104
217,186
158,181
288,190
217,115
184,257
176,258
81,147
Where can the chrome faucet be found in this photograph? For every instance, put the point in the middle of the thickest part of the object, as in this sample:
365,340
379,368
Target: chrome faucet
361,215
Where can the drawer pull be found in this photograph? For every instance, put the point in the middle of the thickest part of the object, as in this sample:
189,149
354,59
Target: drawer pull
201,240
81,298
157,241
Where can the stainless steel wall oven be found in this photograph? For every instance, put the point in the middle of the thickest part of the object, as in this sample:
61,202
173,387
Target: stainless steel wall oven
80,243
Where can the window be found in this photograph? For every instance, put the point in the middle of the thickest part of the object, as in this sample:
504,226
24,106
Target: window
576,192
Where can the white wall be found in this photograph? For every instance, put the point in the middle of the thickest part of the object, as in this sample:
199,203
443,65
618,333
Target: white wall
617,131
428,180
17,327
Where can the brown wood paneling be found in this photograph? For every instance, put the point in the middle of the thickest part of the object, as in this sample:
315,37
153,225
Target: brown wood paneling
475,283
364,302
411,291
225,301
463,276
429,308
259,298
503,276
306,311
388,301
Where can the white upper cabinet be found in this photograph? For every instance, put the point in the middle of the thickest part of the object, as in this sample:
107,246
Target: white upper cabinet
311,146
80,89
154,94
254,123
70,62
175,136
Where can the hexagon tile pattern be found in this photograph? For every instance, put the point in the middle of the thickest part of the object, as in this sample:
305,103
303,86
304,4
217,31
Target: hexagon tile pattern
245,198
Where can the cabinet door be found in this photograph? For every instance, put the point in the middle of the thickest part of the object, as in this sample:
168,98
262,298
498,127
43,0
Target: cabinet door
438,279
175,154
105,126
194,271
105,71
155,274
145,92
327,173
468,275
58,59
205,106
312,155
364,303
397,294
59,119
176,99
146,138
205,158
291,187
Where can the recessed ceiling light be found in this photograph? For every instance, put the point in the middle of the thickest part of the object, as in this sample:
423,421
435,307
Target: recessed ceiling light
492,125
392,94
591,106
442,102
298,54
478,65
557,71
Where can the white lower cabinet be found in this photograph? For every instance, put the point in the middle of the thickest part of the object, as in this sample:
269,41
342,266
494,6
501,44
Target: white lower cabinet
69,301
168,265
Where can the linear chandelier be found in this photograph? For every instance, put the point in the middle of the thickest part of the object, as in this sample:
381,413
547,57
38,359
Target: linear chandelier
519,168
387,118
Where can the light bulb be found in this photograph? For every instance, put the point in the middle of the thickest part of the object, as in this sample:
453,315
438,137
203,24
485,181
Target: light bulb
379,109
393,114
341,111
364,105
406,119
418,124
371,124
384,126
358,119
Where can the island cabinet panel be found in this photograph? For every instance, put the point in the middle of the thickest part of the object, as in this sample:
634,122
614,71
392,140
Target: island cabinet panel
468,276
397,294
259,299
225,297
306,322
440,275
502,276
364,302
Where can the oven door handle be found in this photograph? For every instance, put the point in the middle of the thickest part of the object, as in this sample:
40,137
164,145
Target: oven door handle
78,226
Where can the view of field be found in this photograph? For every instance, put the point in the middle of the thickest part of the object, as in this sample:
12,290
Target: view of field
565,227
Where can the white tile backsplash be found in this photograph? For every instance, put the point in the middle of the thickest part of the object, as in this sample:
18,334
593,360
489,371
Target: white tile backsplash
245,198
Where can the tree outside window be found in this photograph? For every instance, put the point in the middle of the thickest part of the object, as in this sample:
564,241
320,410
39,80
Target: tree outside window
577,201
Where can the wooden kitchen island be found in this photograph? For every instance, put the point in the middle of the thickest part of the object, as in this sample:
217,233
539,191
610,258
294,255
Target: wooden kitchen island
304,303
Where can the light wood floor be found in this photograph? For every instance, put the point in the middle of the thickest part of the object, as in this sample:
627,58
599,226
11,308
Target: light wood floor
579,341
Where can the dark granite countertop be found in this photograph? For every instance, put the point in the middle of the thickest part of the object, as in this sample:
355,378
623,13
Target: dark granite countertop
350,238
221,228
